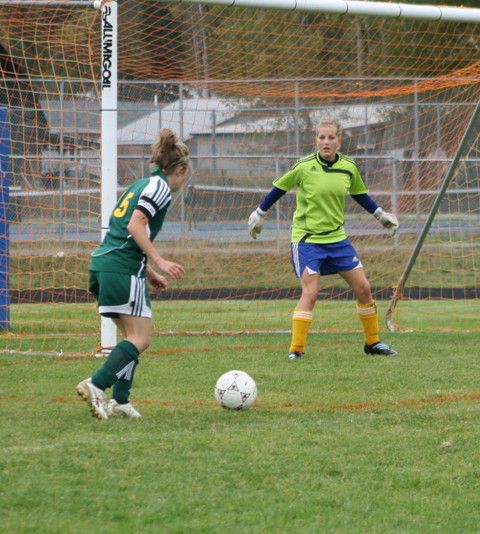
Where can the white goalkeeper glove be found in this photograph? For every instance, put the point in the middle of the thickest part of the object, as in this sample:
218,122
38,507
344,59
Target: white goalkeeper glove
387,220
255,222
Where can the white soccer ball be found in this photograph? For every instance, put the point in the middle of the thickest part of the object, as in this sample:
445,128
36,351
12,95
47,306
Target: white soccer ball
97,4
235,390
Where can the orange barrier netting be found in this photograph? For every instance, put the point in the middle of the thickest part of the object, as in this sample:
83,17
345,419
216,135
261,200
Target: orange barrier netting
245,87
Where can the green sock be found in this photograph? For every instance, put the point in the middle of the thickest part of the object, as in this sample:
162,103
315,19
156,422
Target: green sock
118,368
123,384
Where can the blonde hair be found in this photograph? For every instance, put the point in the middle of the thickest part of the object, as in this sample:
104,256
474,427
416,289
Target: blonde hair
329,123
168,151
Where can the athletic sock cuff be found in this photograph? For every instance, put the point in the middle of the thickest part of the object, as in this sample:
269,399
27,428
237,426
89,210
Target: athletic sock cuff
367,309
303,315
129,348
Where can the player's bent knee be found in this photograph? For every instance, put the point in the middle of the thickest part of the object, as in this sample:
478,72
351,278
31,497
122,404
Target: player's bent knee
142,344
309,297
364,293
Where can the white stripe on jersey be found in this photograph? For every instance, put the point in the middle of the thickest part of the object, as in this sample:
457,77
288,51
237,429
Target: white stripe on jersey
163,195
158,192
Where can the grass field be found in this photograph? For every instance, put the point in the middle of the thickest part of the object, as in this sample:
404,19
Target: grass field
337,442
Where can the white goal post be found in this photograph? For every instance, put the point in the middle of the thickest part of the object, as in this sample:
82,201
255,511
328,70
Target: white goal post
109,112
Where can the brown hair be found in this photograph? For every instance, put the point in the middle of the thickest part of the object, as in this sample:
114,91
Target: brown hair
329,123
168,151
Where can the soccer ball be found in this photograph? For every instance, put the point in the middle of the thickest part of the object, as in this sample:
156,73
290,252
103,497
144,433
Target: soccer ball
235,390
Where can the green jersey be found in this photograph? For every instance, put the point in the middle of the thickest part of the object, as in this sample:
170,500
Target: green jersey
119,252
321,190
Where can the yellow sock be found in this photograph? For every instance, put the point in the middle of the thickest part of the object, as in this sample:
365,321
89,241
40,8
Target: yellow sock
369,318
301,322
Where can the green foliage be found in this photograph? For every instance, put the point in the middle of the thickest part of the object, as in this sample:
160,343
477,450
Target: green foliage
167,40
282,44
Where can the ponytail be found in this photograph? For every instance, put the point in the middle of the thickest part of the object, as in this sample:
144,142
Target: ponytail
168,151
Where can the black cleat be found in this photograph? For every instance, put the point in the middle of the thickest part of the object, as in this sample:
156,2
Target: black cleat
296,355
379,348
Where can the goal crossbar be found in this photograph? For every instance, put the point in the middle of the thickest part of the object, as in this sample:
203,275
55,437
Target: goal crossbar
356,7
343,7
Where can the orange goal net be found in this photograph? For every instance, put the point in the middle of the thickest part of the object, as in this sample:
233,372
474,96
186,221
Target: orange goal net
244,88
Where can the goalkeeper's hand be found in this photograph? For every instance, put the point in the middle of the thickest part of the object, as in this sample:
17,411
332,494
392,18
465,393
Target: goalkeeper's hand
387,220
255,222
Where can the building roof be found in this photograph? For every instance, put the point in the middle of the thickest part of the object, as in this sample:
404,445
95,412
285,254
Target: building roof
348,117
82,114
193,114
139,122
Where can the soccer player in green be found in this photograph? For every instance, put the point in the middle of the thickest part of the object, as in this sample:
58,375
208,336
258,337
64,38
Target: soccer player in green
118,270
319,243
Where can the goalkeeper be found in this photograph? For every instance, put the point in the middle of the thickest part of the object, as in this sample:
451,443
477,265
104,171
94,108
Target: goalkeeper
319,244
119,270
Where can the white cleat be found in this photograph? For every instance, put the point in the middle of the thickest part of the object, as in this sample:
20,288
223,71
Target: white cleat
114,409
95,397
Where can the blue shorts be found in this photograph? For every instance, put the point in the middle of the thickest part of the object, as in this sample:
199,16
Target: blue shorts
324,259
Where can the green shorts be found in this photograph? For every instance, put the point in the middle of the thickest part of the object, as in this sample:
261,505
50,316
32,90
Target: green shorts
120,294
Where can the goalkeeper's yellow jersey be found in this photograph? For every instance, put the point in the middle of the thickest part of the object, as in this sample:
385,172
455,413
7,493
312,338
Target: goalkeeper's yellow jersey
321,190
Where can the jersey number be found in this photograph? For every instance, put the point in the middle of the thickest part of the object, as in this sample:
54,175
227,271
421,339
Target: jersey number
122,206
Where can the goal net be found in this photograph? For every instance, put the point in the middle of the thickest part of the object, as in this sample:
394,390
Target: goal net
244,88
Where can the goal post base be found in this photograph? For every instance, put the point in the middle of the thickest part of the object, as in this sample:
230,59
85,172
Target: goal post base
102,352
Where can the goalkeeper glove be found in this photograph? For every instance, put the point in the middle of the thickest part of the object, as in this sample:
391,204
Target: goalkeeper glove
387,220
255,222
